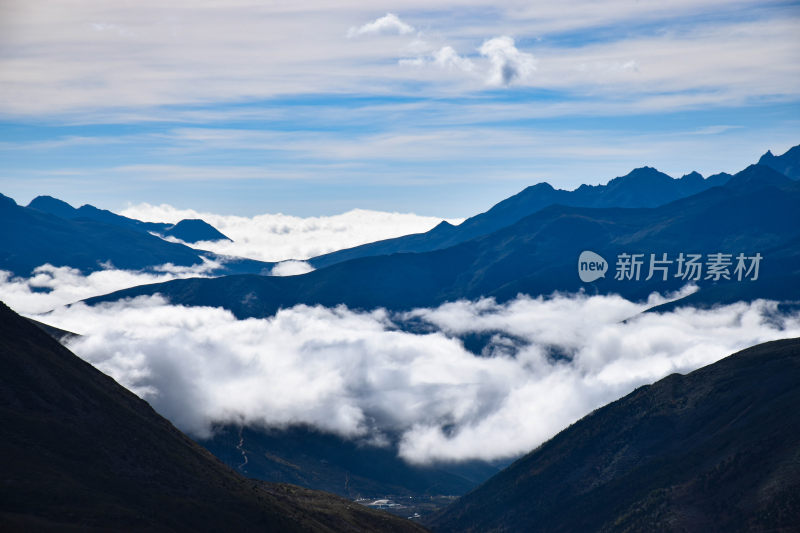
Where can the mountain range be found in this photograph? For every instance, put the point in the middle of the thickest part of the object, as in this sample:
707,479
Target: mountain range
90,239
713,450
81,453
187,230
754,212
642,187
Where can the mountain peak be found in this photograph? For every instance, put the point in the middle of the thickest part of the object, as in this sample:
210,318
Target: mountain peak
644,170
768,155
443,226
757,176
787,163
640,173
51,205
541,186
194,230
692,176
639,180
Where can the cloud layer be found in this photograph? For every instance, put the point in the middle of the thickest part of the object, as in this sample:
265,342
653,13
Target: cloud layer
277,237
291,268
52,286
546,363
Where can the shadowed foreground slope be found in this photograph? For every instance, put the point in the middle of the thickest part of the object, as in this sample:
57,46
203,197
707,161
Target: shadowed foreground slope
715,450
80,452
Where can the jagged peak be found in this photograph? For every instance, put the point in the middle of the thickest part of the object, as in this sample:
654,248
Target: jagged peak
757,176
692,176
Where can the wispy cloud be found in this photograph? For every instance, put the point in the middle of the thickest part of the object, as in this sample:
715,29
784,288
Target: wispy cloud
387,24
445,57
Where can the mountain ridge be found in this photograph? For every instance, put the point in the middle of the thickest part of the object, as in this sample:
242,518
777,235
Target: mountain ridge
187,230
712,450
33,237
78,451
641,187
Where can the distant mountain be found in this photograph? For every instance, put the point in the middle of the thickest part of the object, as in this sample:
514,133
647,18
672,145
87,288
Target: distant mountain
714,450
194,230
642,187
33,236
188,230
787,164
755,213
308,458
80,453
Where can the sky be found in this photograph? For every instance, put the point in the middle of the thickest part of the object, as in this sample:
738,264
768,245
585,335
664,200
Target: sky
318,108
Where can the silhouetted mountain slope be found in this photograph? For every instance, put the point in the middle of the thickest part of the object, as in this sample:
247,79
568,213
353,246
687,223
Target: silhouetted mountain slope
187,230
79,452
61,335
787,164
714,450
642,187
32,237
756,213
303,456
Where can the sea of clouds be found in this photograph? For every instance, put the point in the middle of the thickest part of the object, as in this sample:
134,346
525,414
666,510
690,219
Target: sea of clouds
278,237
52,286
369,376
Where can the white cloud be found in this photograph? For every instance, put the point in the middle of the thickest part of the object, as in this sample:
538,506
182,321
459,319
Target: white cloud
508,64
387,24
51,286
278,237
549,361
291,268
446,57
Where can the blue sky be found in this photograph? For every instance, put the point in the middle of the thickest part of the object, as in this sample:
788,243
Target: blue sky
246,108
